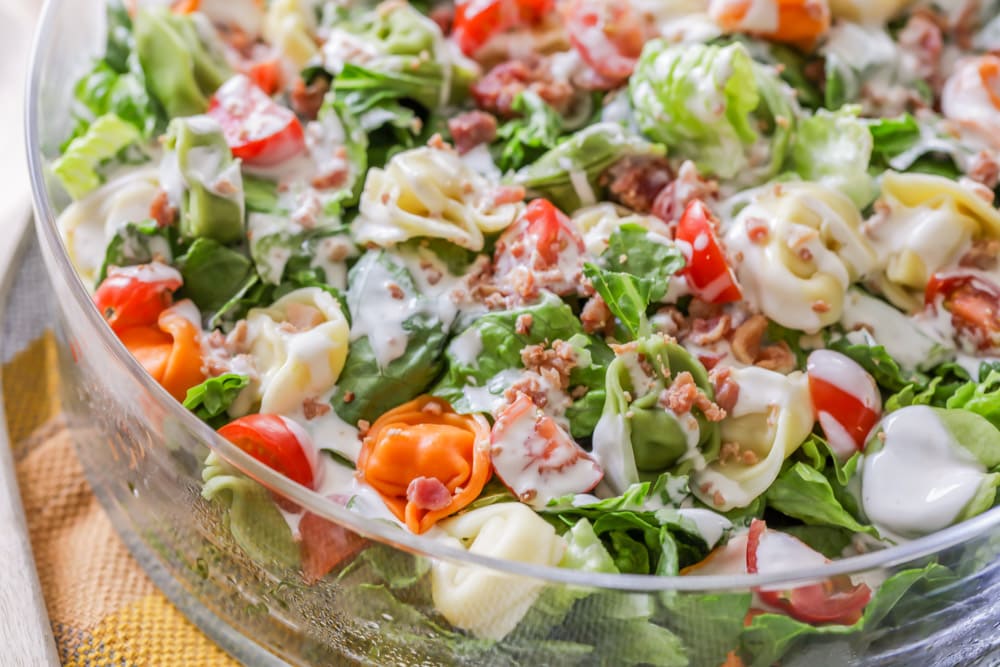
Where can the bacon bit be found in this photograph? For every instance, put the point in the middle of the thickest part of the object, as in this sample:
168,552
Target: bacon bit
497,90
921,38
528,496
699,309
746,342
325,545
312,408
236,341
597,317
557,362
471,129
727,392
395,291
820,306
983,168
508,194
718,499
436,141
428,493
348,396
337,248
363,427
983,255
636,181
523,325
161,211
708,331
805,254
680,396
303,317
686,187
335,178
579,392
749,458
307,100
730,451
431,272
529,386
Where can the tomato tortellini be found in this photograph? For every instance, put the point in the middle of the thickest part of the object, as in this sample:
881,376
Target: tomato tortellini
485,602
797,248
431,192
922,225
299,346
770,420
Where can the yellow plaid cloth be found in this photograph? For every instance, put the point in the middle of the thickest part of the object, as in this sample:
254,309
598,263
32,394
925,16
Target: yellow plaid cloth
103,608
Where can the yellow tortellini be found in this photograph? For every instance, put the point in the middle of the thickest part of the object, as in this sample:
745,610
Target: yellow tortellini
89,223
796,249
772,418
486,603
922,225
867,11
597,223
298,345
430,192
288,26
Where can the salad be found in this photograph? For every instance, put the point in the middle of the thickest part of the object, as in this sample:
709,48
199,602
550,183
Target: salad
666,288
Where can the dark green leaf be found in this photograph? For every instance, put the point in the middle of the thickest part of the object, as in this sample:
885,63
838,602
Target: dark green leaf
210,399
631,250
212,274
524,139
627,296
140,243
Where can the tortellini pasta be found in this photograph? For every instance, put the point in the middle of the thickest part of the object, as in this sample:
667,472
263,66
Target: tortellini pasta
299,346
771,419
88,224
430,192
797,248
288,26
486,603
597,223
923,223
867,11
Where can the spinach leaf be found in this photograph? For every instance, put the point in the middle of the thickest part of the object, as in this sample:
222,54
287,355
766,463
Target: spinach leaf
210,399
524,139
140,243
631,249
627,297
212,273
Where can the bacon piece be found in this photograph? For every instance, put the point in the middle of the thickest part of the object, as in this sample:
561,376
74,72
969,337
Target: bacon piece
161,211
312,408
325,545
428,493
472,128
497,90
596,316
687,186
636,181
307,99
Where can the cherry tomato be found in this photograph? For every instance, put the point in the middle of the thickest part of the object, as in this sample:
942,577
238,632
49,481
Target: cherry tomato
845,399
476,21
546,243
835,600
708,274
973,301
276,442
266,74
609,36
257,129
136,295
535,458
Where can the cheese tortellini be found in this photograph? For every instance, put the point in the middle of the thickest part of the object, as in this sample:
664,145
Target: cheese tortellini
922,225
89,223
597,223
867,11
288,25
486,603
299,346
430,192
797,247
771,419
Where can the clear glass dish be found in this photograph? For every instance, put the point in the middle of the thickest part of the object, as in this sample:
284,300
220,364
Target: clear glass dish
144,456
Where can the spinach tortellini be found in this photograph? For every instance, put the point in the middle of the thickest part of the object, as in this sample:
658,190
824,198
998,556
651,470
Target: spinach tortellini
484,602
430,192
922,225
798,247
298,346
642,431
771,419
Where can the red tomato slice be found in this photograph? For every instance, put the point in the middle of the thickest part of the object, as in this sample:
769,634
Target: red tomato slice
136,295
836,600
266,74
476,21
845,399
546,242
608,36
973,301
708,273
259,131
275,442
535,458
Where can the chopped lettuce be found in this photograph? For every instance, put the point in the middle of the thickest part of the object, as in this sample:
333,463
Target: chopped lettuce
804,493
524,139
77,168
627,297
210,399
708,104
835,149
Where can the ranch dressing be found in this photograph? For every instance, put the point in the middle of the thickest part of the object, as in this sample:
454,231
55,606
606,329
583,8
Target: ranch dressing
921,479
378,315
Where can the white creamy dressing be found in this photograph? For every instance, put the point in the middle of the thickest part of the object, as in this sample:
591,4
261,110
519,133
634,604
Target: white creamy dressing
259,227
380,316
209,166
966,100
445,293
489,397
480,161
154,272
334,270
538,469
711,525
613,450
971,363
187,310
329,431
921,479
692,433
780,552
467,347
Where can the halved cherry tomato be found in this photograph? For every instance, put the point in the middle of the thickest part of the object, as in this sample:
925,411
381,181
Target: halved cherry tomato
275,442
546,242
259,131
535,458
845,399
136,295
836,600
476,21
708,274
609,36
973,301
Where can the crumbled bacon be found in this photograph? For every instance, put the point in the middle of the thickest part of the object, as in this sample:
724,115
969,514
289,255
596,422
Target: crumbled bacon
635,181
748,348
161,211
395,291
325,545
471,129
523,324
710,330
312,408
983,168
531,386
686,186
982,255
683,394
307,99
922,38
557,361
497,90
596,316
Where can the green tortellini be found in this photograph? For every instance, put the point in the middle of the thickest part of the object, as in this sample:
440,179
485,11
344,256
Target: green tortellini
638,436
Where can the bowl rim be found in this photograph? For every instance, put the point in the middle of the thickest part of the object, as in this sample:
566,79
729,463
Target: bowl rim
383,532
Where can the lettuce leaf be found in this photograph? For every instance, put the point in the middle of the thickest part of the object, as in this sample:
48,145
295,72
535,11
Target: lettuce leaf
212,273
210,399
106,137
627,297
632,250
524,139
140,243
804,493
835,149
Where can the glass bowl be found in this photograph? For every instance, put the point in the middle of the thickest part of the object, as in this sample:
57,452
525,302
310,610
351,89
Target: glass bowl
144,455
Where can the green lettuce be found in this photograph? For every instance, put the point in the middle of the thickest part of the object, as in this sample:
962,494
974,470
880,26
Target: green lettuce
583,156
804,493
140,243
835,149
210,399
106,137
524,139
709,103
212,273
